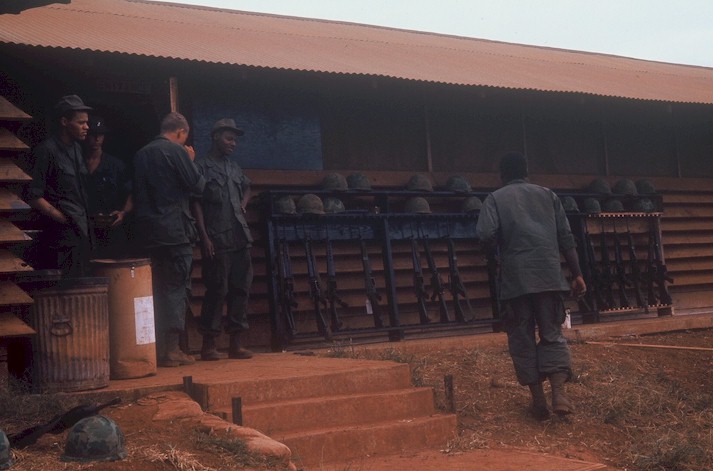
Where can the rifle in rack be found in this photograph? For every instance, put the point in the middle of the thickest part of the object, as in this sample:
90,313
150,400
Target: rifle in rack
596,274
418,284
332,296
315,291
657,272
456,286
634,271
622,280
436,282
286,286
373,297
606,279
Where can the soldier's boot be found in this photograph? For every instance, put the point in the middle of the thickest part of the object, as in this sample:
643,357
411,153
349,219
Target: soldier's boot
173,355
561,404
235,351
208,350
539,407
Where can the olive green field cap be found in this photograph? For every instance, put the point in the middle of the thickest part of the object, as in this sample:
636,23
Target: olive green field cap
419,182
570,204
417,204
334,182
645,187
591,206
613,206
310,204
358,181
458,184
470,204
284,205
625,187
95,438
601,186
333,205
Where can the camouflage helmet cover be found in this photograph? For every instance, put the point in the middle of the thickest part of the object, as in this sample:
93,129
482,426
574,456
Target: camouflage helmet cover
592,206
417,204
310,204
95,438
470,204
570,205
644,187
333,205
613,206
284,205
625,187
458,184
5,458
600,186
334,182
419,182
358,181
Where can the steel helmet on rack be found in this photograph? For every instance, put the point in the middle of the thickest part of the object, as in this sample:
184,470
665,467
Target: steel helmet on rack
643,205
458,184
5,457
570,204
625,187
417,204
613,206
358,181
284,205
601,186
95,438
333,205
645,187
419,182
334,182
310,204
591,206
470,204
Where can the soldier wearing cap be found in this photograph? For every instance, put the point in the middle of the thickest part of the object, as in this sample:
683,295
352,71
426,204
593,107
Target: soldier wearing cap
165,178
58,191
109,192
226,241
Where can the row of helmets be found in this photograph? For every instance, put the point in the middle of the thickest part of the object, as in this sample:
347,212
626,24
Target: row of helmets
94,438
312,204
358,181
625,195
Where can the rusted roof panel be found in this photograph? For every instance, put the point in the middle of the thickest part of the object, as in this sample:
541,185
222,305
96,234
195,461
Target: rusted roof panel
280,42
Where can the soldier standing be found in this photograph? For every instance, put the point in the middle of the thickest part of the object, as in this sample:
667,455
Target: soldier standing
226,242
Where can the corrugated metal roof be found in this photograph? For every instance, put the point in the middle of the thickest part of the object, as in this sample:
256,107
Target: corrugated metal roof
281,42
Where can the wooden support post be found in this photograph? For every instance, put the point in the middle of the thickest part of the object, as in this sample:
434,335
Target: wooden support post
450,396
173,93
237,404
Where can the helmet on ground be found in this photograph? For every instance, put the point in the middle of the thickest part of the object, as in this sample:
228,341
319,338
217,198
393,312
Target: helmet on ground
645,187
625,187
284,205
310,204
570,205
95,438
5,458
643,205
458,184
358,181
613,206
470,204
333,205
592,206
600,186
417,204
419,183
334,182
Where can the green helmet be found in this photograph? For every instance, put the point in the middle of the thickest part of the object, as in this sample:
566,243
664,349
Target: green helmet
417,204
600,186
591,206
95,438
570,205
458,184
5,458
310,204
625,187
470,204
643,205
358,181
334,182
613,206
284,205
645,187
333,205
419,183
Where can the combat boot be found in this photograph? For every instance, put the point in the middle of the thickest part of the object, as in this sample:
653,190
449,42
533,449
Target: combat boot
173,355
235,351
561,405
539,407
208,350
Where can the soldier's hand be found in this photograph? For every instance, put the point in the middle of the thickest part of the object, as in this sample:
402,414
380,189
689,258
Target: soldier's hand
191,152
208,248
579,287
118,217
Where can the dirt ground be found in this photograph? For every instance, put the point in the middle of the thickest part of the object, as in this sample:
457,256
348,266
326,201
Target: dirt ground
638,408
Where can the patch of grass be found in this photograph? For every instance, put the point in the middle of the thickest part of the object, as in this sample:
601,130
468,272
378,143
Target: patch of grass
238,451
177,459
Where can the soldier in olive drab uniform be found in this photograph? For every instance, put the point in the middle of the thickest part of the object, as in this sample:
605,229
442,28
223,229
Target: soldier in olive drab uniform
226,241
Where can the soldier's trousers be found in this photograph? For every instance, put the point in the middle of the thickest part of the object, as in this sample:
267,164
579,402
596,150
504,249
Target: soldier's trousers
533,360
171,277
227,277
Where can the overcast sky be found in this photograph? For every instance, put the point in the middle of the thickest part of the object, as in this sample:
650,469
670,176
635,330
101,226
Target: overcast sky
662,30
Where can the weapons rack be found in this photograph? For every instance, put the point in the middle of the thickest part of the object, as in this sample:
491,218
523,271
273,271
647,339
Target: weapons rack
380,224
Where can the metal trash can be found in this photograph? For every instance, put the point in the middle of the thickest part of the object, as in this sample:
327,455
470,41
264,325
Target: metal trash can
132,336
71,348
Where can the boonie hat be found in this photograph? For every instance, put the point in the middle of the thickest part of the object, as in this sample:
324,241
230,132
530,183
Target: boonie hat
71,103
226,124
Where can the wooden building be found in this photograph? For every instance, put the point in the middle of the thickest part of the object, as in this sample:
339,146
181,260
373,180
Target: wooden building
317,97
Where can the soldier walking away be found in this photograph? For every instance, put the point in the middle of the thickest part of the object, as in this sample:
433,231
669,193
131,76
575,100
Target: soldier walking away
225,243
58,191
528,224
165,178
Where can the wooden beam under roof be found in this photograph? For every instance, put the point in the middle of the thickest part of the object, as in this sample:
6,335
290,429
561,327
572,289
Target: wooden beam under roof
13,295
11,234
9,141
9,201
13,326
10,112
10,172
9,263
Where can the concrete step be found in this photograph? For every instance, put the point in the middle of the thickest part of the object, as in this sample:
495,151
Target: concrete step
333,411
364,377
313,448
